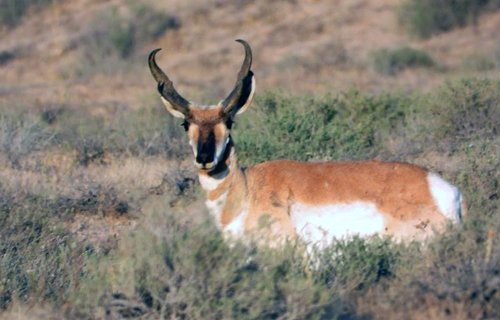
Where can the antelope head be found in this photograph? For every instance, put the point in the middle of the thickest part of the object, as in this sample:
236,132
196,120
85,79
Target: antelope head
208,127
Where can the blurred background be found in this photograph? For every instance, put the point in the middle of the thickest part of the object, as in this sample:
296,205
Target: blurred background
101,215
94,51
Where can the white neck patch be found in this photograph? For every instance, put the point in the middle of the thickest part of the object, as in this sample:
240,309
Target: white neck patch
210,183
215,207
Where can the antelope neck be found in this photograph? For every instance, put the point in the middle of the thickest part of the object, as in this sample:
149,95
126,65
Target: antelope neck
224,185
219,180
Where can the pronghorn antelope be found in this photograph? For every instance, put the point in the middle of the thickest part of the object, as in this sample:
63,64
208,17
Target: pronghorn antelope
314,201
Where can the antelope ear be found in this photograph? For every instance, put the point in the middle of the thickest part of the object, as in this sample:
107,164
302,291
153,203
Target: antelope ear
245,98
171,109
247,93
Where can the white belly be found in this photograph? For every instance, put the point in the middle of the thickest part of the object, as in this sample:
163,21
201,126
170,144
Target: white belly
318,225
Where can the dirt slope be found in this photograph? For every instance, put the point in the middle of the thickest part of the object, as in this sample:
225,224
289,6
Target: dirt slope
303,46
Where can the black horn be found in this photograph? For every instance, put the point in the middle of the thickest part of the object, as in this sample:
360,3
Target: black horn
166,87
239,94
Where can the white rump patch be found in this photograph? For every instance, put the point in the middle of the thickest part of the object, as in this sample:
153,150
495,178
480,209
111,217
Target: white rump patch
317,225
446,196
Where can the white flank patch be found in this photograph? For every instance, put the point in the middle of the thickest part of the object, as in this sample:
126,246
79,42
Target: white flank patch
446,196
237,226
215,207
317,225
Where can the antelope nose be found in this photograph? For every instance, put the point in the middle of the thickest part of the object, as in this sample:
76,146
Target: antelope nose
202,158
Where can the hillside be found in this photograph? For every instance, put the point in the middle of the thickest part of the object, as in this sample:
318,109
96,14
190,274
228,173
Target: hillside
306,46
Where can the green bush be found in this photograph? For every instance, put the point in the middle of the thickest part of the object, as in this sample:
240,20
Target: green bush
463,111
424,18
392,61
12,11
120,34
359,263
115,38
455,276
477,62
344,126
185,269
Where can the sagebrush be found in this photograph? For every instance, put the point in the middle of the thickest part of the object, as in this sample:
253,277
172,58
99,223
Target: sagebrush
176,264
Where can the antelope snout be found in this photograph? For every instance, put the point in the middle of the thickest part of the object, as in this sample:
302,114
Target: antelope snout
204,161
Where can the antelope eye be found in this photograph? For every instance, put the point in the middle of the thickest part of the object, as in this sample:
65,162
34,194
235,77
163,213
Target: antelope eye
185,125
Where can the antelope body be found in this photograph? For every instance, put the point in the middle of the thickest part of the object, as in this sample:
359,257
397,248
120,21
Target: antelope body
313,201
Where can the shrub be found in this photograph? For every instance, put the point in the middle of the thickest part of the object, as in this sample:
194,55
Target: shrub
392,61
150,24
39,259
185,269
331,53
348,125
6,57
424,18
456,276
12,11
359,263
21,134
477,62
115,38
467,109
120,34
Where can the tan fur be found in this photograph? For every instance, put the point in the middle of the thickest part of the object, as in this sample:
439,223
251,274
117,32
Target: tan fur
399,190
206,116
204,121
266,191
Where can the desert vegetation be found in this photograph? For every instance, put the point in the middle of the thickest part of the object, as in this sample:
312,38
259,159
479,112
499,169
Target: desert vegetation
13,11
175,264
101,215
425,18
392,61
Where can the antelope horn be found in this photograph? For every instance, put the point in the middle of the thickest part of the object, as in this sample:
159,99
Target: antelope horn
245,74
166,87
